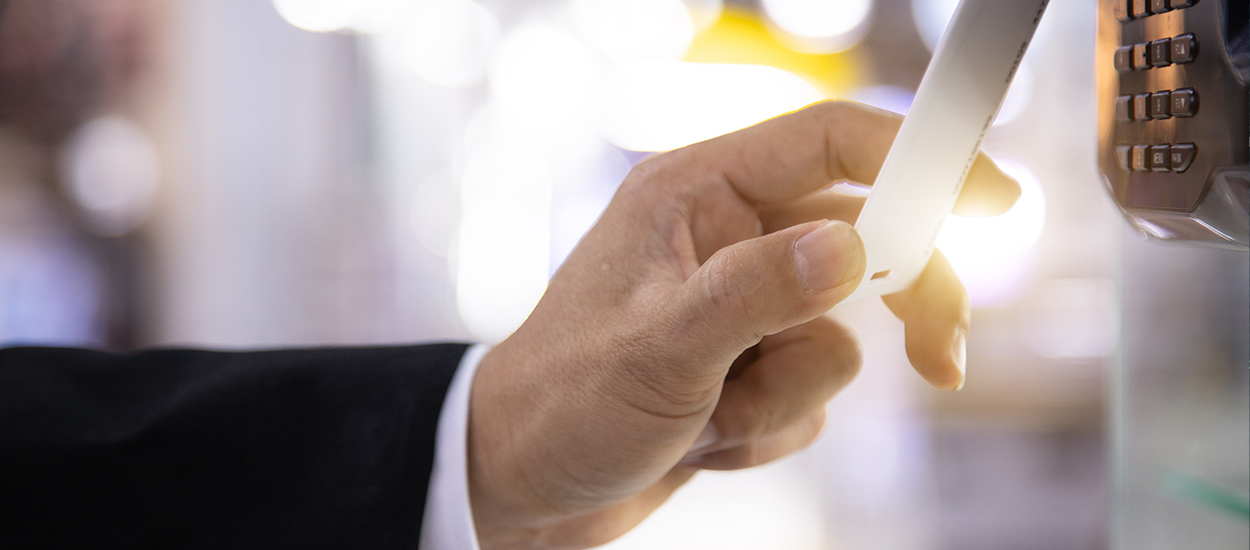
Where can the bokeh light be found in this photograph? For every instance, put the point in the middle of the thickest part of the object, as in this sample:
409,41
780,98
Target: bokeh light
543,72
504,240
662,106
448,42
318,15
994,257
634,29
111,169
820,25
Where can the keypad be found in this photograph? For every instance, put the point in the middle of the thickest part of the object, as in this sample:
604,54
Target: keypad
1156,106
1164,157
1159,53
1128,10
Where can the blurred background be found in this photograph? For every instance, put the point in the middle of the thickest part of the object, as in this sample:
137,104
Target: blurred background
259,173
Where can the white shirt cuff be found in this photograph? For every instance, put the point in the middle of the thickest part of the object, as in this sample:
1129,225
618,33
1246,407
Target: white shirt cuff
448,522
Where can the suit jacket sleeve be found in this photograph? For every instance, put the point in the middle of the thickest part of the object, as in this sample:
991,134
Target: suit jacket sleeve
321,448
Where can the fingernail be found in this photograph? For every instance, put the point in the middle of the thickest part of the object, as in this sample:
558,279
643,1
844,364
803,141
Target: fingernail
959,352
705,440
829,256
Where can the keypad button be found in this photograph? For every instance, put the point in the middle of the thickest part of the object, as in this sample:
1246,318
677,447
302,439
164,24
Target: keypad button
1161,158
1161,105
1141,158
1140,62
1182,156
1178,4
1124,108
1141,107
1159,6
1184,48
1124,58
1123,157
1160,52
1138,8
1184,102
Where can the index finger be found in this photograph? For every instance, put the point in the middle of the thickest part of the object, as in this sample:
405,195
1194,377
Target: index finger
788,157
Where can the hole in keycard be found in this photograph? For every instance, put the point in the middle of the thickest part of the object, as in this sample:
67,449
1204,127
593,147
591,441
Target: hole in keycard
880,274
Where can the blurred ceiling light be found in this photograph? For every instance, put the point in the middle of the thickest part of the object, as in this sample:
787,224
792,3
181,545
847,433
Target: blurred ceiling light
994,256
662,106
703,13
318,15
931,18
449,41
634,29
820,25
110,166
543,72
741,37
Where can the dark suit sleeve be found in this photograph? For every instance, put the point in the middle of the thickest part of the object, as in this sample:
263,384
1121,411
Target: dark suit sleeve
324,448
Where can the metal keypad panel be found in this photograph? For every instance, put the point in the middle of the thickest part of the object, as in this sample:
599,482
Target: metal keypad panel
1172,109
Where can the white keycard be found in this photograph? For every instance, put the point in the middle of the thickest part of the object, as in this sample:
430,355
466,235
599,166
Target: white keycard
958,98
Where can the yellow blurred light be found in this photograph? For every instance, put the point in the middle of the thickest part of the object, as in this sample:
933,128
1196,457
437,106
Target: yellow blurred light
543,72
741,37
635,29
318,15
449,41
993,256
662,106
820,25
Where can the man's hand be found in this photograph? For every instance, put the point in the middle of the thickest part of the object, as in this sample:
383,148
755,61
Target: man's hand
687,329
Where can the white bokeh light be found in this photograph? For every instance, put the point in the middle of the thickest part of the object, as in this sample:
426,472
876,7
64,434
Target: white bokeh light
504,242
662,106
994,257
318,15
111,168
448,42
378,16
820,25
634,29
543,72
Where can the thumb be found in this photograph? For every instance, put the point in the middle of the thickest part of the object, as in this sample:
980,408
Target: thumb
765,285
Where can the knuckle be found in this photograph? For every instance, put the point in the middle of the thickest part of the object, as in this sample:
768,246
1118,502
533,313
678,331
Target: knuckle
754,417
730,282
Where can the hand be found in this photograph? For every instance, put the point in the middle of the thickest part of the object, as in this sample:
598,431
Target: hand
687,329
